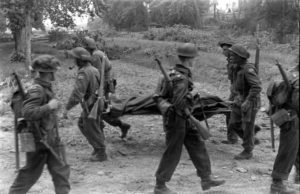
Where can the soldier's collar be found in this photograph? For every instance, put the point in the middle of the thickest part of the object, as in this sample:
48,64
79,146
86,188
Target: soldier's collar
43,83
183,69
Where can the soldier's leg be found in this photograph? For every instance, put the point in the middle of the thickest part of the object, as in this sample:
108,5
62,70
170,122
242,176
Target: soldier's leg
232,137
30,173
235,123
90,129
60,171
297,173
200,158
175,133
287,153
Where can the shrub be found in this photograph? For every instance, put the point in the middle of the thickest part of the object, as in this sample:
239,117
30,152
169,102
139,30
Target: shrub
57,34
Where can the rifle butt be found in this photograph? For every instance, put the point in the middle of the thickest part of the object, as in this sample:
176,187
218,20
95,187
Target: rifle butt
204,133
94,112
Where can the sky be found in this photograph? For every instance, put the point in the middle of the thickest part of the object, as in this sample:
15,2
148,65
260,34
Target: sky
222,4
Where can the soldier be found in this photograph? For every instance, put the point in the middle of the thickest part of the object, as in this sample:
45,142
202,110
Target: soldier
39,111
232,137
86,86
247,101
178,129
285,104
99,58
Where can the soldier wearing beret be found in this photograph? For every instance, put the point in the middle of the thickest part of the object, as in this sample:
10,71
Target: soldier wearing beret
247,85
85,92
98,59
285,114
232,137
39,111
179,130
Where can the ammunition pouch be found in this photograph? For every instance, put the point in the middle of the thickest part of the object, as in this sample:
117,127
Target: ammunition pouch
282,116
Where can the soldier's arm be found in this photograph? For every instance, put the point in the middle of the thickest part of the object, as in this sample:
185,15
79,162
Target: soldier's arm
80,88
180,90
295,97
254,82
32,106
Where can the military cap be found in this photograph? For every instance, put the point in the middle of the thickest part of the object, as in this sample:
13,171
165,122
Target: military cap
187,50
90,43
45,63
240,51
227,42
80,53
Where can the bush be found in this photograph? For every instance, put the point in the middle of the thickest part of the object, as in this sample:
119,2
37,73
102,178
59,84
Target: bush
57,34
180,33
5,37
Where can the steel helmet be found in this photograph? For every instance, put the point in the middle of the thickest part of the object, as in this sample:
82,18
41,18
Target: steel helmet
90,43
80,53
45,63
226,42
240,51
187,50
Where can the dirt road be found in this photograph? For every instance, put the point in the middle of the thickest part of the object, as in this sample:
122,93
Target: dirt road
132,164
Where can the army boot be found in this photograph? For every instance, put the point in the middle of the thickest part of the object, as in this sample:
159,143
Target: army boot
124,129
98,157
208,182
161,188
277,187
244,155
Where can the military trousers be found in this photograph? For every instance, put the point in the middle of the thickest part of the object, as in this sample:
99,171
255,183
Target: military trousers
231,134
288,151
178,133
35,162
91,129
243,124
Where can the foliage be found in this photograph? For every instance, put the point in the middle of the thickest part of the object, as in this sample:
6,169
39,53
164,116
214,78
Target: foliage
129,15
280,17
180,33
5,37
57,34
171,12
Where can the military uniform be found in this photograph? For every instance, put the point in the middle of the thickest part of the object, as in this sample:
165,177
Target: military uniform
99,58
41,121
84,92
247,84
288,152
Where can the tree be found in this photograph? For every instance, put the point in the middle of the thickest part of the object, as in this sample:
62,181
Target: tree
130,15
21,14
171,12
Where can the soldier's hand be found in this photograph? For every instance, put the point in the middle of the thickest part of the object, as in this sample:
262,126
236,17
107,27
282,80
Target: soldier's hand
54,104
246,105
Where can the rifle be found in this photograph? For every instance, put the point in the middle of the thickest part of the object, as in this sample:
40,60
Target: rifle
284,76
272,128
257,51
204,133
99,104
18,114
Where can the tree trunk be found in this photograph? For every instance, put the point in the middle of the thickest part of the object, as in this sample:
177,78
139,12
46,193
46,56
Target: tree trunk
19,37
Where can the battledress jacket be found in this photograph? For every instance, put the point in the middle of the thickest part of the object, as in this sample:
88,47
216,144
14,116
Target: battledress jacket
41,120
86,86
